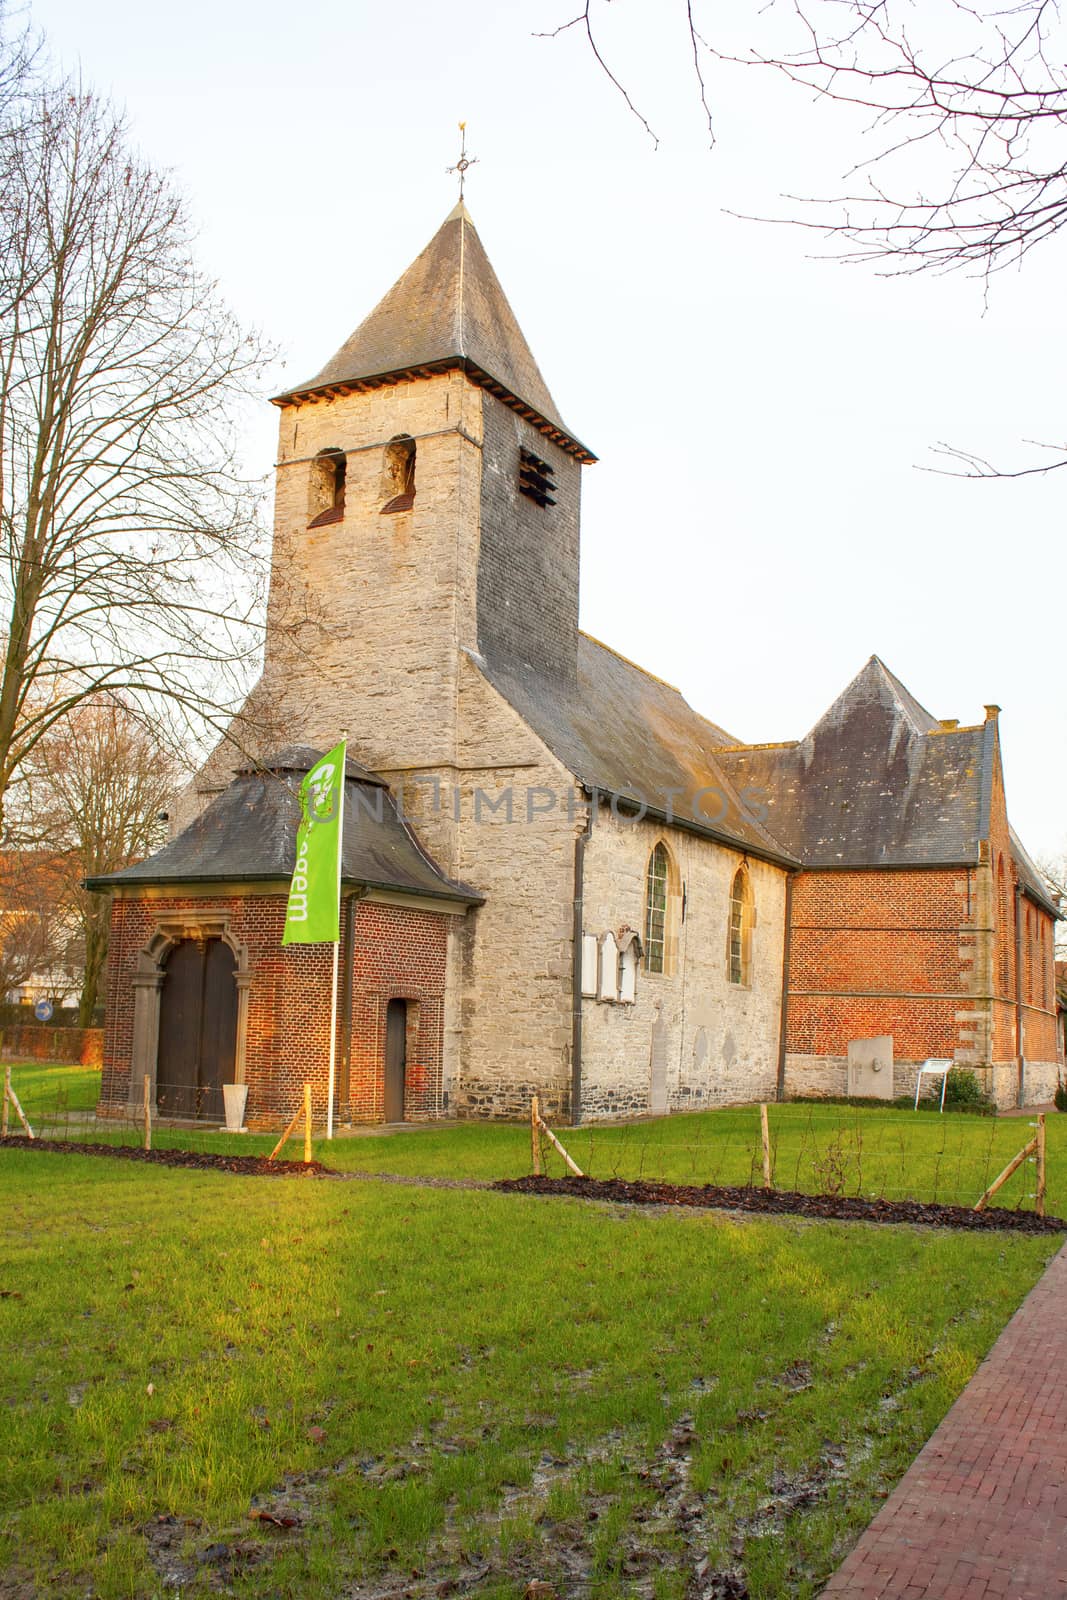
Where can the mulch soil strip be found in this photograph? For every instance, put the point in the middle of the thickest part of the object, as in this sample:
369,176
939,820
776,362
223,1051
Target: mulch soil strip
777,1202
838,1208
245,1166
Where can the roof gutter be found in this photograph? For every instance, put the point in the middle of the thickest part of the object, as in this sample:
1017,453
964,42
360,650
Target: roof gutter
642,809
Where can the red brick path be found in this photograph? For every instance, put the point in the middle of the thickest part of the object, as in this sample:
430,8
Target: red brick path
981,1513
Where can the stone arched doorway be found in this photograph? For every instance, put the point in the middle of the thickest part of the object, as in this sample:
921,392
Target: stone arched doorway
190,1015
197,1028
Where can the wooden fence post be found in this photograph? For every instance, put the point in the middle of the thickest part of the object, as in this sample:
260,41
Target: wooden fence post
307,1122
7,1091
290,1125
147,1113
1039,1198
766,1137
1001,1179
535,1135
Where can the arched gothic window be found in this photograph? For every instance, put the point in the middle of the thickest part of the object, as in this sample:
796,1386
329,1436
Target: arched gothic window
398,474
739,941
326,488
657,891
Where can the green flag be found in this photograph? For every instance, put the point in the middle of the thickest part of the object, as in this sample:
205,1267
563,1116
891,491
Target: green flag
313,913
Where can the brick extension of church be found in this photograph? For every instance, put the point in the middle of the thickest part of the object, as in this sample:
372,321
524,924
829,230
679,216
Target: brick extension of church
558,878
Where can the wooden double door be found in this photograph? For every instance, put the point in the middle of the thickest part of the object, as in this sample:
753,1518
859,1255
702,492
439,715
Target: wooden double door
197,1029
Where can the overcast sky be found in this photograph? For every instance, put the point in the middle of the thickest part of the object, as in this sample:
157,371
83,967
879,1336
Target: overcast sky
757,525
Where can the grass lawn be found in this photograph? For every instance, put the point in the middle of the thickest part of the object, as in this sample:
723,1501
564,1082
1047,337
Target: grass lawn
891,1152
433,1387
54,1090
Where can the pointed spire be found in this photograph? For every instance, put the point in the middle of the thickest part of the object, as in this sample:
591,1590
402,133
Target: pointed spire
447,310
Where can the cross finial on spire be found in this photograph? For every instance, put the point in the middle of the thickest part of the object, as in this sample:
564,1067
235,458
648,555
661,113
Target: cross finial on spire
464,161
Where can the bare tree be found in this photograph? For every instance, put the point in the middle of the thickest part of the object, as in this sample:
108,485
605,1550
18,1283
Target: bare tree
35,932
977,90
131,551
1054,869
97,785
962,162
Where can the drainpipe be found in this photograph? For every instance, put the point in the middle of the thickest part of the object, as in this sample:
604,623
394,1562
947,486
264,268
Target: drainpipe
783,1014
576,967
1020,1097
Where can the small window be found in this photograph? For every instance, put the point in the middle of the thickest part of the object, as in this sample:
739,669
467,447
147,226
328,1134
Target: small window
536,479
326,488
739,945
656,888
398,475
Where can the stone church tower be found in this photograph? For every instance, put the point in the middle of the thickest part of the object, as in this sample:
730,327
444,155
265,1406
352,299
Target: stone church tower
427,504
424,596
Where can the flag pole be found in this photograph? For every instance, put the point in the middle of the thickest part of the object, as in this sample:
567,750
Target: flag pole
337,941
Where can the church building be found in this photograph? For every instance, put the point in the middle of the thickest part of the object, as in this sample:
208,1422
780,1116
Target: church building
557,877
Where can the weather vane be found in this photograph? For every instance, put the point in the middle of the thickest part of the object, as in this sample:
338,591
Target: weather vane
464,161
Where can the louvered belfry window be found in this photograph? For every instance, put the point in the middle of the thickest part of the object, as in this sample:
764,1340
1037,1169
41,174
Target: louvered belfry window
536,479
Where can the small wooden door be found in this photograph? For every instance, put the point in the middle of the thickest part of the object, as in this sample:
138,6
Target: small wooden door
197,1029
396,1050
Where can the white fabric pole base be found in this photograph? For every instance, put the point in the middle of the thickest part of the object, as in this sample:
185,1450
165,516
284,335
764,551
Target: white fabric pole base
333,1039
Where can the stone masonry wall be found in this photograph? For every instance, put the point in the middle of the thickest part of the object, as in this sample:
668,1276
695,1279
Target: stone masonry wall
528,554
707,1041
504,818
365,613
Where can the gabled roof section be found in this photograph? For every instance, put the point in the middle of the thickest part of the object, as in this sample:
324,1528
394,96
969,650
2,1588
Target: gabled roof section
625,733
878,781
1032,880
248,835
874,686
447,310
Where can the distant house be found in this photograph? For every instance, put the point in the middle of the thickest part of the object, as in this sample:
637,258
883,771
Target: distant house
41,953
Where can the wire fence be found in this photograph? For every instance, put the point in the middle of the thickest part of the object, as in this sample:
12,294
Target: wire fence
814,1148
851,1151
180,1115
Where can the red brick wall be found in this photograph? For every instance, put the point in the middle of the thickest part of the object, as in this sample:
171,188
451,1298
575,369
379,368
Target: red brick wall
398,952
880,952
899,952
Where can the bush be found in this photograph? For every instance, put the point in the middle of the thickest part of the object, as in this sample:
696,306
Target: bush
1059,1099
963,1092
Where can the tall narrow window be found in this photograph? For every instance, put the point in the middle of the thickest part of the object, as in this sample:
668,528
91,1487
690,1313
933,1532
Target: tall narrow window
656,888
326,488
398,474
739,943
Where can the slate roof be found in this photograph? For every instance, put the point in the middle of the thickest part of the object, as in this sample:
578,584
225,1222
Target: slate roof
248,835
622,731
1031,879
447,310
877,781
